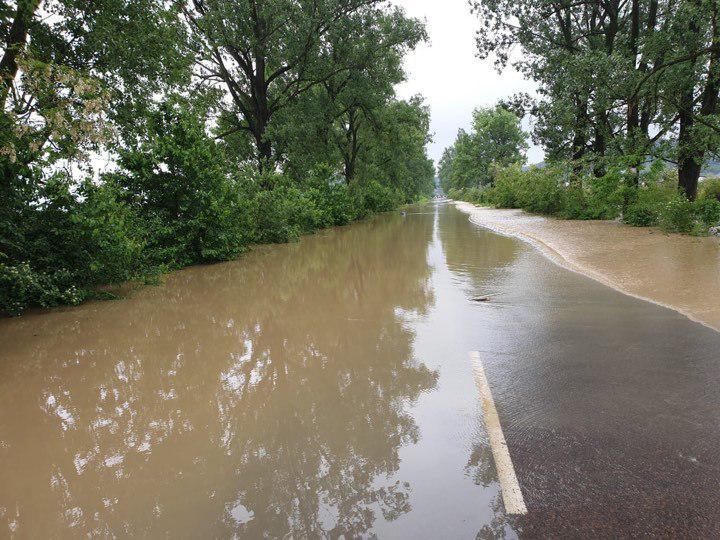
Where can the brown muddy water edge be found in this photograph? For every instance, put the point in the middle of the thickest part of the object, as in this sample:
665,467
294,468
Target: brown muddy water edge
673,270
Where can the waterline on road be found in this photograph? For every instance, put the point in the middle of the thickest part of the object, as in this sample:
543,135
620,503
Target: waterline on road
674,271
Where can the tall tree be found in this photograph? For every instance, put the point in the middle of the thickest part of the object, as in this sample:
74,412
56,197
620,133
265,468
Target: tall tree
69,69
396,148
329,120
496,139
610,72
268,53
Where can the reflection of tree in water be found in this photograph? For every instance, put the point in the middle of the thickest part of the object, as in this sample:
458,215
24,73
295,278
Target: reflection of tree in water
476,256
481,469
263,397
470,251
500,526
480,465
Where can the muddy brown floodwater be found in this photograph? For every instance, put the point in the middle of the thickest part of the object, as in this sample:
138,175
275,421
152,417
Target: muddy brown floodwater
324,389
673,270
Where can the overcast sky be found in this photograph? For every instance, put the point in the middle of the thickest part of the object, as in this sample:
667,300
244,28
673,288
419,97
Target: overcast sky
447,72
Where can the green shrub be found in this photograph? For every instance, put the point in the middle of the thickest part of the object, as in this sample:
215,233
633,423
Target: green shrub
338,205
283,213
710,189
641,214
707,211
573,204
539,191
177,178
72,242
20,287
378,198
504,192
677,215
646,203
476,195
604,195
276,216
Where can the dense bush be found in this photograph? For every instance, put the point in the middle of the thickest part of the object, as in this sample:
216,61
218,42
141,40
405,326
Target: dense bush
282,215
603,195
505,193
377,197
552,190
708,211
710,189
177,179
71,243
646,203
145,219
677,215
535,190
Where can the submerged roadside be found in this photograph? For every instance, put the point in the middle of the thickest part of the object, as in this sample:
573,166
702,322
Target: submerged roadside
672,270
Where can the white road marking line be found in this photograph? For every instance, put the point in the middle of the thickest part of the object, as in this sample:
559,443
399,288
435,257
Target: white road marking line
512,496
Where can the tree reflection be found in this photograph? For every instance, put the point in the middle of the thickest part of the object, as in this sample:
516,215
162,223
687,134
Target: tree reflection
473,253
263,397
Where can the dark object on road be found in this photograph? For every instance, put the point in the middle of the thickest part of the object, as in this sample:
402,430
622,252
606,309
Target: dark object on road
481,299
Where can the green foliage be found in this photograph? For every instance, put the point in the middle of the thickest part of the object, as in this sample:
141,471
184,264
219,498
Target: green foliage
677,215
646,203
495,140
535,190
201,170
539,190
477,196
378,198
708,211
177,176
710,189
395,150
293,51
643,213
604,195
21,286
71,243
553,190
504,193
281,215
658,202
286,212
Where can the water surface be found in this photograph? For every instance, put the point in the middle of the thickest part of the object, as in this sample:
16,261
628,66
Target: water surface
324,388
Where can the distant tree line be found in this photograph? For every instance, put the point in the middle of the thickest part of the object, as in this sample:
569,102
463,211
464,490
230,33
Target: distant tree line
220,123
495,139
627,105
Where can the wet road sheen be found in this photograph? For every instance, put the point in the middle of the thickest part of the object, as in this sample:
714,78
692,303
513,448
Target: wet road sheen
324,388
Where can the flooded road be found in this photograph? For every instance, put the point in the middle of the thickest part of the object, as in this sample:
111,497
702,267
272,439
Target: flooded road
325,389
674,270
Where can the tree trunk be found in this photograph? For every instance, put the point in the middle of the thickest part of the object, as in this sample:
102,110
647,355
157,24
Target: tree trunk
264,152
692,151
352,146
688,166
14,45
633,109
600,144
579,144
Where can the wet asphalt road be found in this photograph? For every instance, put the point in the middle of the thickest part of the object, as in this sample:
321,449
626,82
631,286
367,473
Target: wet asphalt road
610,406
